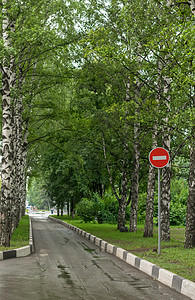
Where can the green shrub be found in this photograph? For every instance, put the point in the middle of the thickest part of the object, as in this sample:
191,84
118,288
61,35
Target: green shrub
109,217
111,207
177,209
104,210
98,207
85,210
178,214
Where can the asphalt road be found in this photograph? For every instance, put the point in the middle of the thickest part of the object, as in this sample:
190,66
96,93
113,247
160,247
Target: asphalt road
67,266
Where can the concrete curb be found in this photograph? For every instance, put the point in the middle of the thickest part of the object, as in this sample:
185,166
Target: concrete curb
180,284
20,252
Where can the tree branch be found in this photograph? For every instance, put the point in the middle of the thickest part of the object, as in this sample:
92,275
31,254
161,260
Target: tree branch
108,168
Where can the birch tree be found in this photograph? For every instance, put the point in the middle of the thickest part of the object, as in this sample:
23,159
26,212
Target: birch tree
148,228
190,219
7,130
29,36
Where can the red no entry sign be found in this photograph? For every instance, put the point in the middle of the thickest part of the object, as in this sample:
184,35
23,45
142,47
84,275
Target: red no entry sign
159,157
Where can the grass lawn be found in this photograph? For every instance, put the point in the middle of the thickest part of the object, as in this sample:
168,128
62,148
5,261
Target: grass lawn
20,237
173,255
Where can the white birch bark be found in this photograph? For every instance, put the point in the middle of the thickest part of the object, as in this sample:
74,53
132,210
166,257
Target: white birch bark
17,161
192,6
191,3
135,180
7,137
166,171
148,229
136,160
190,217
23,175
122,199
124,186
122,196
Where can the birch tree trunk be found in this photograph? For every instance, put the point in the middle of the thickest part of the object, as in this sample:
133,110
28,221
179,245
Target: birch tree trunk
123,202
15,178
190,218
18,158
16,163
23,178
136,160
135,180
7,138
148,229
6,167
123,198
122,195
22,131
166,171
192,6
191,3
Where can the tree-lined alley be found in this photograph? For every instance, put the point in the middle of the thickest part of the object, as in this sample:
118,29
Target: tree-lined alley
88,89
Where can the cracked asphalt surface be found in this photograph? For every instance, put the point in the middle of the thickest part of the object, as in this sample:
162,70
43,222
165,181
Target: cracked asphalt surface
67,266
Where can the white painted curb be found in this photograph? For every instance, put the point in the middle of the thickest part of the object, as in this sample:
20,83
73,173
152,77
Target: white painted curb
20,252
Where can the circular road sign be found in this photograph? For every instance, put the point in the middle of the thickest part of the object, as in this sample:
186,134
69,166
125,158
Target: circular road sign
159,157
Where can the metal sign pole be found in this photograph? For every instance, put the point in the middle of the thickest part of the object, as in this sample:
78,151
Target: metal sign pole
159,158
159,213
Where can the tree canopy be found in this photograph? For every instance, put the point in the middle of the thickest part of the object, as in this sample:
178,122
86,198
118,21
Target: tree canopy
88,88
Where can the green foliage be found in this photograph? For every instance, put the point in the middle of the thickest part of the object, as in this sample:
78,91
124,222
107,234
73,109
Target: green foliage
178,206
141,208
37,195
80,67
111,208
178,214
103,209
179,196
85,210
179,190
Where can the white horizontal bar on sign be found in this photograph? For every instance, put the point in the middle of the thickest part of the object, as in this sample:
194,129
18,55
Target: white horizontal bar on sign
159,157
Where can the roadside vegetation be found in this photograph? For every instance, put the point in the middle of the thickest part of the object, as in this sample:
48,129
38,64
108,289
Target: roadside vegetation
20,236
173,257
88,89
